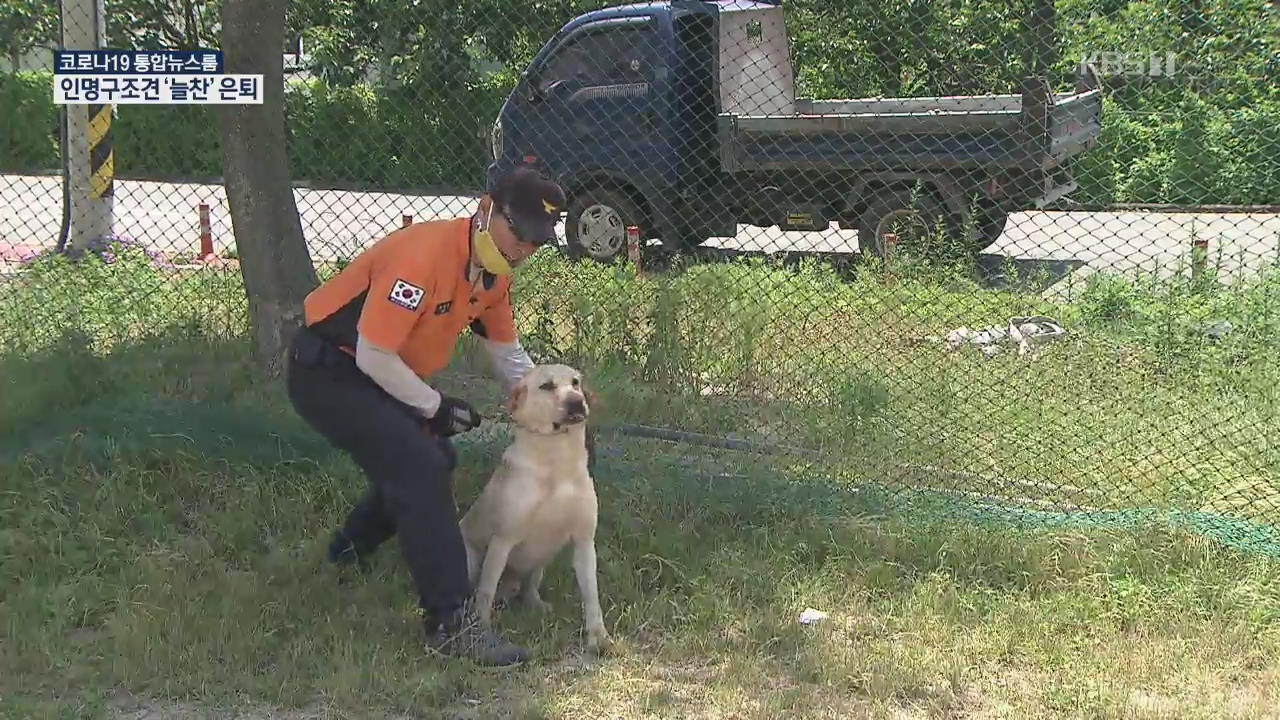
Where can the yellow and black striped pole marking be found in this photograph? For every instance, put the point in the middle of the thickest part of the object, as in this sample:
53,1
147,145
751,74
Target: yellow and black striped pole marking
101,160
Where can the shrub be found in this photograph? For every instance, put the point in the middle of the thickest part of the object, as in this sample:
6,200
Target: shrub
28,123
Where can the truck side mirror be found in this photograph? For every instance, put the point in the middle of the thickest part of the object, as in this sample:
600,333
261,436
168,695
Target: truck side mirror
530,87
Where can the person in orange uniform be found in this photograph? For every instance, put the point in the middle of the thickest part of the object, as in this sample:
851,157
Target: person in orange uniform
357,371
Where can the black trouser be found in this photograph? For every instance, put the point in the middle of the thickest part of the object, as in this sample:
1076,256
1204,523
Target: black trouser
409,469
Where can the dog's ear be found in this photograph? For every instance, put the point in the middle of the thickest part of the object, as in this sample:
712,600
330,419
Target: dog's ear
516,397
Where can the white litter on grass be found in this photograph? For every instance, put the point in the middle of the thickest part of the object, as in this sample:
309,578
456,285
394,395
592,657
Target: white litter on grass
1025,332
811,616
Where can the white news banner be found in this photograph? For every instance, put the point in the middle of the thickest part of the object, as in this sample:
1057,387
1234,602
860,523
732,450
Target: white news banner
157,89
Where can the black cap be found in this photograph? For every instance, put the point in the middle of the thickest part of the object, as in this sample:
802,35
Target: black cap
532,201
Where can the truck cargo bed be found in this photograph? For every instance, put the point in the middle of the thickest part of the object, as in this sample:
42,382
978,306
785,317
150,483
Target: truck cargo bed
1030,130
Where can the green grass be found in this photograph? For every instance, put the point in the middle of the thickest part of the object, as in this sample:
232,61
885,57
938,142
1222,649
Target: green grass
1138,407
163,538
163,514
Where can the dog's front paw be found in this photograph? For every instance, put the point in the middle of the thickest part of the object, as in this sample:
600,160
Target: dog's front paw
484,608
598,639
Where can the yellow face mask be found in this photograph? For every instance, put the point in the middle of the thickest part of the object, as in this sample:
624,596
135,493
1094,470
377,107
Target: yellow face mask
486,249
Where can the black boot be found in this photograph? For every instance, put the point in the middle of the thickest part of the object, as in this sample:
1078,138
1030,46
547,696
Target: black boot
459,634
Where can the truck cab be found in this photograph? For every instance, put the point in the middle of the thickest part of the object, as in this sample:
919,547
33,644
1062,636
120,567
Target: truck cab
680,118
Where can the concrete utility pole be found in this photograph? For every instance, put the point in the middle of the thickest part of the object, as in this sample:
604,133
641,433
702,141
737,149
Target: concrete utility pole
89,165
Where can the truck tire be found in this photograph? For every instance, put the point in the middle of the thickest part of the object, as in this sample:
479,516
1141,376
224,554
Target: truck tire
596,225
894,209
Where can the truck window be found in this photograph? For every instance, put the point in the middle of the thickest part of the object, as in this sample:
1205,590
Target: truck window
614,56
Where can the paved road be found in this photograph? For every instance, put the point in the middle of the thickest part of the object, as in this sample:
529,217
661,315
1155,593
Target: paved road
336,223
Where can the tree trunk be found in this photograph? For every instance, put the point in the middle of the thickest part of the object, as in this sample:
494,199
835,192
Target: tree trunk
274,259
1042,45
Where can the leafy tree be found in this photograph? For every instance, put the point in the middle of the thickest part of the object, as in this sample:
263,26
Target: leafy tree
25,25
163,24
431,46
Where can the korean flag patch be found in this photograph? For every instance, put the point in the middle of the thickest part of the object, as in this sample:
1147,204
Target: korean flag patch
406,295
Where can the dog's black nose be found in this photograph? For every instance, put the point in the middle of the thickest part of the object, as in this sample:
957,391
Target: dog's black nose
575,406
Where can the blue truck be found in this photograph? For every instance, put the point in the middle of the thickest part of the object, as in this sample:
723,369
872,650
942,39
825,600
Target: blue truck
680,118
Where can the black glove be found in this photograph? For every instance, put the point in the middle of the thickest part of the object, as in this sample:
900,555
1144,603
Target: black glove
454,416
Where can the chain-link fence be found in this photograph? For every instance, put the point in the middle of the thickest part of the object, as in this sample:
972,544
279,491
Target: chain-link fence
1030,269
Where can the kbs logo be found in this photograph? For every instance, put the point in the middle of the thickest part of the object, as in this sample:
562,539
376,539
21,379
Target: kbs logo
1111,64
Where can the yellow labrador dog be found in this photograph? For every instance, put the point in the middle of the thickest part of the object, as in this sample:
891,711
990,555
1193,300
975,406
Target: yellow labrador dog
539,499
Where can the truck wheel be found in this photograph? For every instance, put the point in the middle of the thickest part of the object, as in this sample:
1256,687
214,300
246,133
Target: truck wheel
596,226
915,221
